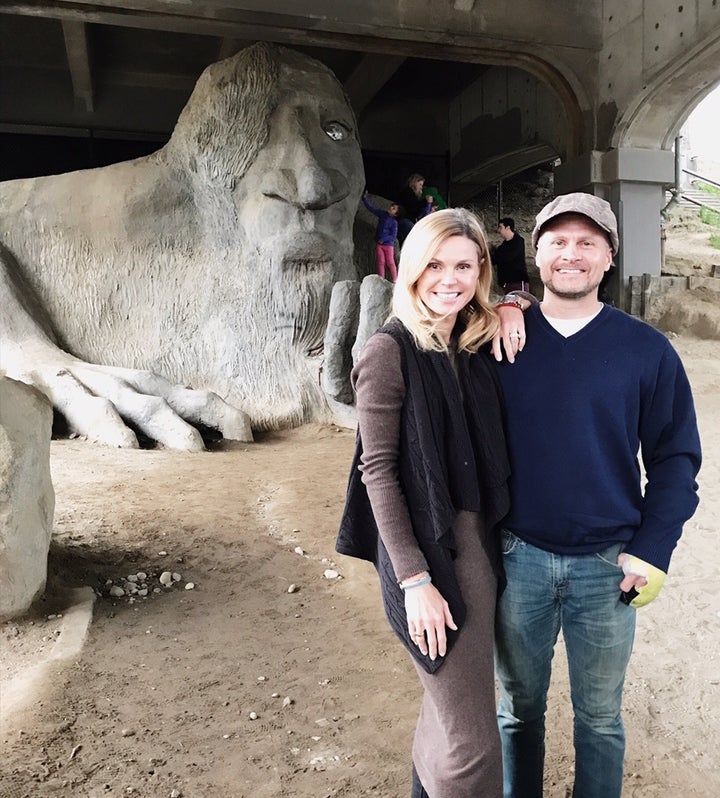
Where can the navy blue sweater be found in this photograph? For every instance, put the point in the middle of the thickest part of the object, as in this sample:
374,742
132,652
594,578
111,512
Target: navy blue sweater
578,410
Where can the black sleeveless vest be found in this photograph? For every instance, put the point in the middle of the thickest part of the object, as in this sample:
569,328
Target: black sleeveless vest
452,456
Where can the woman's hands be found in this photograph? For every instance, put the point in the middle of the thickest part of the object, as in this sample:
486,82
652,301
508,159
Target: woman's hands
511,333
428,614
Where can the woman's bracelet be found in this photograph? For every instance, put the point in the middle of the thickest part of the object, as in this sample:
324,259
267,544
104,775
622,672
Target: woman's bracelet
425,580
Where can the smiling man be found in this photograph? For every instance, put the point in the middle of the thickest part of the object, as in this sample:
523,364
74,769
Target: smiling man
584,544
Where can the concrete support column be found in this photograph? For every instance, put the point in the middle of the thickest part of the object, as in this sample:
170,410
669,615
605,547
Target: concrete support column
637,207
633,181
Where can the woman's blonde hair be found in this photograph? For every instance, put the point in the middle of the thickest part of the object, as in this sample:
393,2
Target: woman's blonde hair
415,182
479,318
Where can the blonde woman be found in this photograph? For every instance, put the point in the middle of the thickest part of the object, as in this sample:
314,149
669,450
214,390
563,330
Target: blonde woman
415,204
427,489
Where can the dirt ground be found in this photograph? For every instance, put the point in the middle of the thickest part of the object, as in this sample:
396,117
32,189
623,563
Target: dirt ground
243,686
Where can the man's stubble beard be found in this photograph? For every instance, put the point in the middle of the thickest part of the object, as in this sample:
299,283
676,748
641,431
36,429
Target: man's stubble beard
566,294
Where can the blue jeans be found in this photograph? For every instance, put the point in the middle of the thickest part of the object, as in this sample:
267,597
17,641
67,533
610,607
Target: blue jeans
580,595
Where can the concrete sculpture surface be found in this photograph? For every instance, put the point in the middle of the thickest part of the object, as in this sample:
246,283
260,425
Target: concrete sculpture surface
208,264
27,499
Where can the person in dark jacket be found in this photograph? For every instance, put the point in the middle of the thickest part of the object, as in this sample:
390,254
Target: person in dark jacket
427,490
509,258
415,204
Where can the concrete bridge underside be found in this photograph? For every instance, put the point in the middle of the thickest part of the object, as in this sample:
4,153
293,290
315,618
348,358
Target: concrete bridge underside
464,91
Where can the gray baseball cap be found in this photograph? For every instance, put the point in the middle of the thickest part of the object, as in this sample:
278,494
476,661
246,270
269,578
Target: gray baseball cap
596,209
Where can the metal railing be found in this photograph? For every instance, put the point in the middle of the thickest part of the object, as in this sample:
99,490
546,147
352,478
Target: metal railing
677,194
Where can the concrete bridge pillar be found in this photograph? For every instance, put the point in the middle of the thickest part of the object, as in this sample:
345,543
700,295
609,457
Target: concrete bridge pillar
633,181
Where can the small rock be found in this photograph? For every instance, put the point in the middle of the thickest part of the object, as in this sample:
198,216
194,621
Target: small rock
292,588
116,591
287,701
143,591
128,732
330,573
262,678
176,577
162,553
253,716
166,578
299,550
175,794
142,576
132,577
190,586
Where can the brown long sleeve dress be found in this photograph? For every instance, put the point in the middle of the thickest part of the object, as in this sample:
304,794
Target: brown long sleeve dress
456,750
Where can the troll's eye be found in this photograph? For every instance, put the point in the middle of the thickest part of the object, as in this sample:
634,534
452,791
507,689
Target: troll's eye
336,131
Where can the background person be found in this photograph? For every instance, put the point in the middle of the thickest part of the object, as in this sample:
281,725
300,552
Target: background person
437,201
509,258
385,235
414,204
427,489
591,388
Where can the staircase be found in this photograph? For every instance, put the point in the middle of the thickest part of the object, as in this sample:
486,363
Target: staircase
702,197
694,197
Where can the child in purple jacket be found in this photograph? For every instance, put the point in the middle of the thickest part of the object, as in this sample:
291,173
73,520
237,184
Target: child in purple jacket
385,235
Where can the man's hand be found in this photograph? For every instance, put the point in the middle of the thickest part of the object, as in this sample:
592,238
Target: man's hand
645,579
511,334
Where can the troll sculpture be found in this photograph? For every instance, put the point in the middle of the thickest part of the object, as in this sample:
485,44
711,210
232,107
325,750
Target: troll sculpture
208,264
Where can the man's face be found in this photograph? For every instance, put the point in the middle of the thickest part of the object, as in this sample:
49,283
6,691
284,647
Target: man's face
297,201
393,210
505,232
573,254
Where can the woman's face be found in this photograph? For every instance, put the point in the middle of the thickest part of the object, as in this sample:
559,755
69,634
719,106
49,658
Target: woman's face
417,186
449,280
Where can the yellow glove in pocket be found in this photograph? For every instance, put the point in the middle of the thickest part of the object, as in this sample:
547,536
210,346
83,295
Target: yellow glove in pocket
640,596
